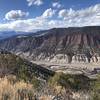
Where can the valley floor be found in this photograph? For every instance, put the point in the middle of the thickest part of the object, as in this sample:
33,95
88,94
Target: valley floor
89,69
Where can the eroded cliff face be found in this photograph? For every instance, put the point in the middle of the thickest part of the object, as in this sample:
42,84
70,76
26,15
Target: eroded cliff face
65,41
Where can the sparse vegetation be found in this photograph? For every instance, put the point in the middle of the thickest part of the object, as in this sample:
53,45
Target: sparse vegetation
15,91
60,86
96,89
75,82
21,80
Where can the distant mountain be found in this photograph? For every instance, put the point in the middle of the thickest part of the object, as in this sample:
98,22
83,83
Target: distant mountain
49,43
8,34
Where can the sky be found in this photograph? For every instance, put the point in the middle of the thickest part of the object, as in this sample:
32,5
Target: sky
30,15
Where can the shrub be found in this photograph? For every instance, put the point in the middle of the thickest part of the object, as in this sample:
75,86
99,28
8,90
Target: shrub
75,82
96,89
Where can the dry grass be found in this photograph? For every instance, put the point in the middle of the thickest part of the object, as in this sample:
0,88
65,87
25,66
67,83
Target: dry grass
15,91
45,98
11,89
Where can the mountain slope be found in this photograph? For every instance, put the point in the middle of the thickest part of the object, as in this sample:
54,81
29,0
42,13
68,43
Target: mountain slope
12,64
55,41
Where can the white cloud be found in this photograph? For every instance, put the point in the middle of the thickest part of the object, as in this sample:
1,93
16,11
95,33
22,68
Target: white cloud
56,5
35,2
48,13
15,14
40,22
56,24
24,25
62,13
84,17
90,12
67,18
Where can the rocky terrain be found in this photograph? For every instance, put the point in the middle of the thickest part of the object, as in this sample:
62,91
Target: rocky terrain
82,44
23,80
55,64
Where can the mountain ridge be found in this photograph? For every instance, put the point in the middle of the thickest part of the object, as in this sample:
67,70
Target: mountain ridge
49,43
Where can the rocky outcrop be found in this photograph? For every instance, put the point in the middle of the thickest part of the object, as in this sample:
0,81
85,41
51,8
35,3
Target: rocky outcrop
67,41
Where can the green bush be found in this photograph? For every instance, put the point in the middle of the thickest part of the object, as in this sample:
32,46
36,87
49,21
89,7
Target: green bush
23,74
96,89
76,82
